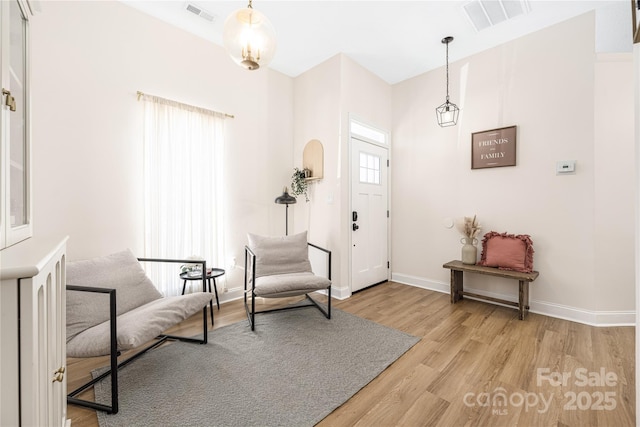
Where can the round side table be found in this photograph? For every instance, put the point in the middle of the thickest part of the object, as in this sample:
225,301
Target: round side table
212,274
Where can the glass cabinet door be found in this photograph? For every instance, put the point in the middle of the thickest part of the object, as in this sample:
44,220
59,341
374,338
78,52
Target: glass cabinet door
15,165
17,119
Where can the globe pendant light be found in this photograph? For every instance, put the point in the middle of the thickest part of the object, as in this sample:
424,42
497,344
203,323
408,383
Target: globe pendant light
249,38
447,113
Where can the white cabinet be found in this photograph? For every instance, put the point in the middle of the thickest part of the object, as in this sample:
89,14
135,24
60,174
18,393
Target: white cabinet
32,271
15,173
32,333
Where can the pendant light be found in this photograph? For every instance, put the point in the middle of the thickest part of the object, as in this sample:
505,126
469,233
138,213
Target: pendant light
447,113
249,38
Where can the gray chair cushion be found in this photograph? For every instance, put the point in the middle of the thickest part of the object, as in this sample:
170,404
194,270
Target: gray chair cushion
137,326
287,285
280,255
120,271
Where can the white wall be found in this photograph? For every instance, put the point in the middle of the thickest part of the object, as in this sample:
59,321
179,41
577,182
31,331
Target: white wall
368,98
87,149
317,116
89,59
614,182
553,87
324,96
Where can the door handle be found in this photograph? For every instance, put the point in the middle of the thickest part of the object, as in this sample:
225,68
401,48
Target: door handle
354,216
10,101
354,226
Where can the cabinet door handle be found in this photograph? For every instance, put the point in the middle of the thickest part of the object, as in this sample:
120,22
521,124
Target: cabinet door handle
58,375
10,100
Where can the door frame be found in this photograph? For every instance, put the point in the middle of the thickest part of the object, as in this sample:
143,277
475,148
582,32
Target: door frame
387,137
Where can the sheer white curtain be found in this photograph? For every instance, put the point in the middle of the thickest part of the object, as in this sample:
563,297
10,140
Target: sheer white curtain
183,189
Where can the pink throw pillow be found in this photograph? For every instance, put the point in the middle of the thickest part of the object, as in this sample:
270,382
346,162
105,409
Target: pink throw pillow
507,252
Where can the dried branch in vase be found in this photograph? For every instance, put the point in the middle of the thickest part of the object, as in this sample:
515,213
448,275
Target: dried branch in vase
470,227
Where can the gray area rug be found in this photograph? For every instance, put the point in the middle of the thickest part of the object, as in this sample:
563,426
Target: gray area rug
294,370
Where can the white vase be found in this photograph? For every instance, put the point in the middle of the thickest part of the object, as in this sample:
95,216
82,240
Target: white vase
469,250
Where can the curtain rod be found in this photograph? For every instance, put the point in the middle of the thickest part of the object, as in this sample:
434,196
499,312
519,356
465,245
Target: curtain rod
141,94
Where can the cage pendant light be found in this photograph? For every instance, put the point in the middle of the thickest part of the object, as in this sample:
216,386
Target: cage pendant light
447,113
249,38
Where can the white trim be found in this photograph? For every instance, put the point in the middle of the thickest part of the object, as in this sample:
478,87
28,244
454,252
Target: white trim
419,282
340,292
574,314
355,119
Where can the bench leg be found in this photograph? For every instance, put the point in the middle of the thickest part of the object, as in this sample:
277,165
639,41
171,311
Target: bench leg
456,286
523,298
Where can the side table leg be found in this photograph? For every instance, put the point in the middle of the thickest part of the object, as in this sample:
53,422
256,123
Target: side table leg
215,288
184,285
210,302
456,286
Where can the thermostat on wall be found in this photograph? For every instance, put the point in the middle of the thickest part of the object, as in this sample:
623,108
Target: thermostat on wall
565,167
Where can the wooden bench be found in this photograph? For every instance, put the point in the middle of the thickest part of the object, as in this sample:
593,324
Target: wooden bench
457,288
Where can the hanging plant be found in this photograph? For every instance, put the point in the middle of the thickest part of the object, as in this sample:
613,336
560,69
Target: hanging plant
299,183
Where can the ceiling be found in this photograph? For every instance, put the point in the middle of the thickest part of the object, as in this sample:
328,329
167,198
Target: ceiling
396,40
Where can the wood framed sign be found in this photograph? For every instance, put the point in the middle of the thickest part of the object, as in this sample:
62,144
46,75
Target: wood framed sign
493,148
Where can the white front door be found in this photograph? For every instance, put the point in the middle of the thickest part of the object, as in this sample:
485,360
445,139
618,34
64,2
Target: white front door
369,220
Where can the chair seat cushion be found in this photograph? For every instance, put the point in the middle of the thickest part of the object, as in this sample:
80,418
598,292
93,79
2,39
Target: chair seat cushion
137,326
292,284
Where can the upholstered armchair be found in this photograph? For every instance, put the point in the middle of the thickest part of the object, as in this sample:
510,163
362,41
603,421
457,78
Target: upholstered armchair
129,314
279,267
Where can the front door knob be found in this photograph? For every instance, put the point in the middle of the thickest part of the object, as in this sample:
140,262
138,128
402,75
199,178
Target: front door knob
354,226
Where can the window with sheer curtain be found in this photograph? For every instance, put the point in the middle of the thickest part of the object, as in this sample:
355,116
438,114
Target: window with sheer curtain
183,184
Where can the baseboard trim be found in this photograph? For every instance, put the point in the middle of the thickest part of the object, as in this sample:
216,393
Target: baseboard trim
574,314
340,293
420,282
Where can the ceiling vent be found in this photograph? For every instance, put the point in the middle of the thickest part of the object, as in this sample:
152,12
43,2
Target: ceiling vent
200,12
486,13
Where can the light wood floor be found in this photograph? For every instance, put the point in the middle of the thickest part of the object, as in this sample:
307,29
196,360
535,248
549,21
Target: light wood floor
475,365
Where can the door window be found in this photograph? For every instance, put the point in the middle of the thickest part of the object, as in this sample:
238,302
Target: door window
369,168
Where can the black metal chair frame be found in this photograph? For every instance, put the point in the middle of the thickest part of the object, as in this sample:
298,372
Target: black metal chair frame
250,258
114,353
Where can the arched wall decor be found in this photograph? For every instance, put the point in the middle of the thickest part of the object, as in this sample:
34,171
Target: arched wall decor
313,159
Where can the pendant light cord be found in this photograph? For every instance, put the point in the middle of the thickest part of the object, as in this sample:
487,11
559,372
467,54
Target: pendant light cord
447,72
